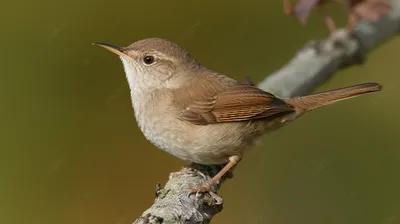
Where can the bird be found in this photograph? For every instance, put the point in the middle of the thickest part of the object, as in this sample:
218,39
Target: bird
202,116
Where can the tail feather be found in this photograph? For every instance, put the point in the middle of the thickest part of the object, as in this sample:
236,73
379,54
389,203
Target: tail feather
313,101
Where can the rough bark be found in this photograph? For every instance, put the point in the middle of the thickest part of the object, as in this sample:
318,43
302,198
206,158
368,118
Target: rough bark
310,67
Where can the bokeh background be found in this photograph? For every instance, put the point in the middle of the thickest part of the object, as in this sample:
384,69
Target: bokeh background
71,151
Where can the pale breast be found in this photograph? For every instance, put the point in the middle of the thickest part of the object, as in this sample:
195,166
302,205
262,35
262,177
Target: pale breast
206,144
160,126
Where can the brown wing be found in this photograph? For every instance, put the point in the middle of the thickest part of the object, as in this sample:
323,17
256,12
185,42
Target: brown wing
241,102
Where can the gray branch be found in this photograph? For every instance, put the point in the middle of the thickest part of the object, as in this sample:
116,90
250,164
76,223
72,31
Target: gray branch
310,67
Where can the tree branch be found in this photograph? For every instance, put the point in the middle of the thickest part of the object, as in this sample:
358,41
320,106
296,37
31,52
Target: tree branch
310,67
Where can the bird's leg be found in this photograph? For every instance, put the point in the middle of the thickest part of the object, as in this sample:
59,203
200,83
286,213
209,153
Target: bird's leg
207,186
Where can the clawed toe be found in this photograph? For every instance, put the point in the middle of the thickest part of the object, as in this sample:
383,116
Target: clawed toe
204,188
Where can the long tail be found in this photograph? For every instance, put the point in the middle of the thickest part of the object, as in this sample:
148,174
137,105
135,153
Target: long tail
310,102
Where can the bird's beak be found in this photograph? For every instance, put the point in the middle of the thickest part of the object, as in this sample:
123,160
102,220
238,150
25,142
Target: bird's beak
114,49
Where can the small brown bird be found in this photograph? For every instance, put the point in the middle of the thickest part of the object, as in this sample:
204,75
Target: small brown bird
369,10
200,115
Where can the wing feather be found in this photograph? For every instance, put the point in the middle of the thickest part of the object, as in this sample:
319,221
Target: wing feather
242,102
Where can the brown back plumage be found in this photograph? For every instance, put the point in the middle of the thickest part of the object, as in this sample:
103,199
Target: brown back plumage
242,102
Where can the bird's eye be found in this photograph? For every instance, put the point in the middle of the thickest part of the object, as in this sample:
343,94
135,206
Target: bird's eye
148,60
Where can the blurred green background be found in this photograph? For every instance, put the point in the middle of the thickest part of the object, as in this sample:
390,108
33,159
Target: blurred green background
71,151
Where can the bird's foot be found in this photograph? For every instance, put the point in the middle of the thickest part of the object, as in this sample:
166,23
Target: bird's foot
187,169
204,188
